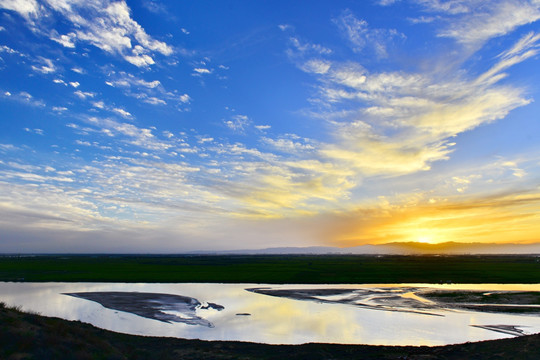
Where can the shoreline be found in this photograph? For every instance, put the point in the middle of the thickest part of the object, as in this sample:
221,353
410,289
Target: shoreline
188,305
27,335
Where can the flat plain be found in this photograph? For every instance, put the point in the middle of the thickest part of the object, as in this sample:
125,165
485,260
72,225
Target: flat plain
272,269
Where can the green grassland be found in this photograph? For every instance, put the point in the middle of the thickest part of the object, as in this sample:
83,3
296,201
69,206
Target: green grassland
271,269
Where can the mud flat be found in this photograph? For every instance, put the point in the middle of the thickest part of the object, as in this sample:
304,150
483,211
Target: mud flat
489,301
419,300
386,299
161,307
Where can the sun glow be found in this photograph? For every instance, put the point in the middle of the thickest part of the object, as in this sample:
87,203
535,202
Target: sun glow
427,235
425,239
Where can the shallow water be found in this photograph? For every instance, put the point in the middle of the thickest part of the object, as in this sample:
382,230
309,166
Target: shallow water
386,314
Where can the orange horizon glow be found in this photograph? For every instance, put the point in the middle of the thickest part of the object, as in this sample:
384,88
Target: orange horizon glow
506,219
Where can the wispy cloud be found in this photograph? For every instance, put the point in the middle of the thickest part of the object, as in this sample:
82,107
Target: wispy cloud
304,47
84,94
149,91
201,71
122,112
141,137
46,66
35,131
238,123
403,122
22,97
474,22
290,144
362,37
116,110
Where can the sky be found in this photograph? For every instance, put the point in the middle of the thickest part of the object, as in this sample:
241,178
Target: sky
173,126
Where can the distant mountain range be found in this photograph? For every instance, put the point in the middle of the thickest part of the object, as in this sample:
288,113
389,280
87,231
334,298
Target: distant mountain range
396,248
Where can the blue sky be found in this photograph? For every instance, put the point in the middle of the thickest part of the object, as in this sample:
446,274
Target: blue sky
149,126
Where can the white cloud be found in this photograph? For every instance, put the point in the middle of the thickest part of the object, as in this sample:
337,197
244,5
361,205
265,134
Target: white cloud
293,144
185,98
284,27
148,84
35,131
151,92
400,123
238,123
423,19
46,67
528,41
528,46
26,8
140,59
122,112
153,100
119,111
473,22
8,147
67,40
203,140
317,66
83,143
140,137
307,48
7,49
74,84
104,24
387,2
453,7
202,71
23,97
125,80
84,94
362,37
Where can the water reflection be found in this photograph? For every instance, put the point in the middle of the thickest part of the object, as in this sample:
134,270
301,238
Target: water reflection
330,313
385,299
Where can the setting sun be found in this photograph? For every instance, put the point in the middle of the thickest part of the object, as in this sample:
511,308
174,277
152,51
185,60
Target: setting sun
425,239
